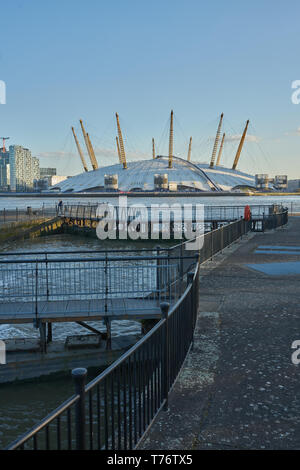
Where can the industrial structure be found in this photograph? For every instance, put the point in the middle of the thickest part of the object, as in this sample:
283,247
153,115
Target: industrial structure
163,173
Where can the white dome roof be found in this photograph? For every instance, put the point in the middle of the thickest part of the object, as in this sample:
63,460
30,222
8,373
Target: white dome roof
140,175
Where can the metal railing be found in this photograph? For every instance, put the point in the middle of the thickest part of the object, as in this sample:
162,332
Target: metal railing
100,278
271,221
211,212
89,211
26,214
115,409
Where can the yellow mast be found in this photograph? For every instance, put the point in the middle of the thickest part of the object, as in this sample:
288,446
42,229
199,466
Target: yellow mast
96,166
123,156
220,151
214,152
190,150
171,141
238,153
80,151
87,144
119,153
153,148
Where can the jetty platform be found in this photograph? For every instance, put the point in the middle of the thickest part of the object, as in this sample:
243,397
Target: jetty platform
239,388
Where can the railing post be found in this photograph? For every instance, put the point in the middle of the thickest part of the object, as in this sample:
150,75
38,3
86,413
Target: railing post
79,377
36,295
169,276
47,280
190,279
106,283
158,281
165,314
222,238
181,262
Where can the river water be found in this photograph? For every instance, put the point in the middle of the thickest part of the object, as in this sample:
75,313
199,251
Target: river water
37,202
24,404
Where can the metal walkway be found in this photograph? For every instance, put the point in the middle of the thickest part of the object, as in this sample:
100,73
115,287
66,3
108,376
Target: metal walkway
76,310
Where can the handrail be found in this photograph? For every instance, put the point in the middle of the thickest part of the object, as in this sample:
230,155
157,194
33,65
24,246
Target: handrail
45,422
92,260
141,379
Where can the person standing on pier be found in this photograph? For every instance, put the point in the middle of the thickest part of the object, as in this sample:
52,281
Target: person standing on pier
60,207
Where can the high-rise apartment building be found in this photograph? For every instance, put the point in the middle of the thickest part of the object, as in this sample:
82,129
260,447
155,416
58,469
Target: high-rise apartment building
24,168
4,170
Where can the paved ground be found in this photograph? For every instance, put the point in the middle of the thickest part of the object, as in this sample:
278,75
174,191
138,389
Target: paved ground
239,388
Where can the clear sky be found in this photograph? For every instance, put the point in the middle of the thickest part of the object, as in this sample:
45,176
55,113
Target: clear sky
63,60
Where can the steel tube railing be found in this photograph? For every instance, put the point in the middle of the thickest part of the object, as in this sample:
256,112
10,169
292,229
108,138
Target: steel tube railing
116,408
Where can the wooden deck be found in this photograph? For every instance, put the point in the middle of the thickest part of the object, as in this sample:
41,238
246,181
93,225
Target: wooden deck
79,310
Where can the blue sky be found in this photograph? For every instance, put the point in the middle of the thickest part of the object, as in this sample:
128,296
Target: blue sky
65,60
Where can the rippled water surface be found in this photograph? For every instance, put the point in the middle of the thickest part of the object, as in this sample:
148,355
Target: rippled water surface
24,404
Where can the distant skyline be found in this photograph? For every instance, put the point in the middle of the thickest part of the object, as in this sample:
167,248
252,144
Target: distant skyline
66,60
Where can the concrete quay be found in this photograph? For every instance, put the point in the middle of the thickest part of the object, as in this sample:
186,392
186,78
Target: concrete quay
11,231
238,388
25,361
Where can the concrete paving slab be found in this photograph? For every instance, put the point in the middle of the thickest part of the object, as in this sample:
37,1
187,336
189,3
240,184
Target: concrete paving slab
251,399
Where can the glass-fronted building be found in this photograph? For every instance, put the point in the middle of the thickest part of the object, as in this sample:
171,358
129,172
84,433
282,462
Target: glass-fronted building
24,168
4,170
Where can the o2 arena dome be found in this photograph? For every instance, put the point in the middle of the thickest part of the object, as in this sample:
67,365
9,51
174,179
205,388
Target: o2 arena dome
151,175
162,173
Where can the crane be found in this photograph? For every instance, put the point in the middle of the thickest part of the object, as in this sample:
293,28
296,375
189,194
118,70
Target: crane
80,151
238,153
190,150
214,152
122,150
3,140
220,150
153,148
86,140
118,148
171,141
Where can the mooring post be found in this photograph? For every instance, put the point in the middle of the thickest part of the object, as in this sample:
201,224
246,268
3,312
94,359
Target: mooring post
166,361
79,377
